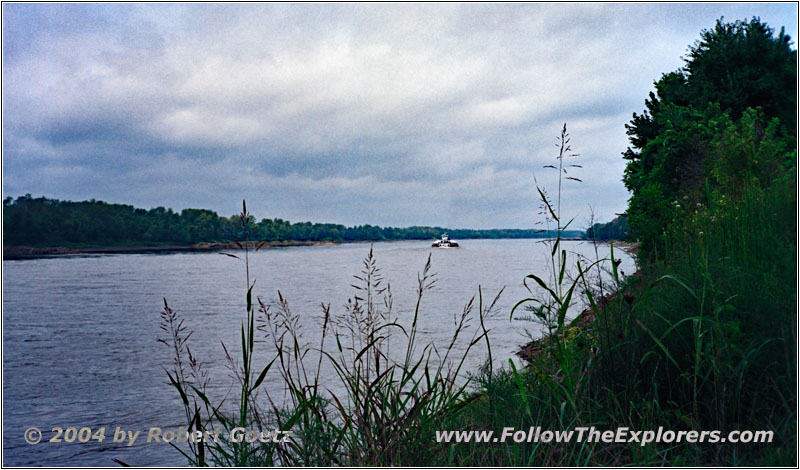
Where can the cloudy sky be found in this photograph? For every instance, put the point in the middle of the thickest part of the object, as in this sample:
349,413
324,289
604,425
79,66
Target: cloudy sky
388,114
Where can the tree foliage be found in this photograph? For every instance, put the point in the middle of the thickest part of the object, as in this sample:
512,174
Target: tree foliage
617,229
51,222
726,116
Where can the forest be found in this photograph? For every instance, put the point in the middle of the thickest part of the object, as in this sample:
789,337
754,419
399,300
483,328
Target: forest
29,221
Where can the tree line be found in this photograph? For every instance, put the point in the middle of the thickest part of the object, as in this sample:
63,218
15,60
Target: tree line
52,222
617,229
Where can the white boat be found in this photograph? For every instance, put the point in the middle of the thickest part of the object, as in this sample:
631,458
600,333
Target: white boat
445,242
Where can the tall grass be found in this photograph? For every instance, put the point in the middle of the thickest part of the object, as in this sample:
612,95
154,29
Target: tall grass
382,409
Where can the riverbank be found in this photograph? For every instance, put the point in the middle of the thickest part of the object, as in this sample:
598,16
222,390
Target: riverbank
530,351
29,252
26,252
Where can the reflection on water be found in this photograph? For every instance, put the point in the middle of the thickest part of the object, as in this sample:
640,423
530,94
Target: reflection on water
79,333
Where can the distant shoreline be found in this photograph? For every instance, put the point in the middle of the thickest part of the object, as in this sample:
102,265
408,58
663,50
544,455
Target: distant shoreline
25,252
17,252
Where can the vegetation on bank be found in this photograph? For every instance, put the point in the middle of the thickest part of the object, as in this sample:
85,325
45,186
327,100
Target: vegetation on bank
724,120
617,229
703,338
40,221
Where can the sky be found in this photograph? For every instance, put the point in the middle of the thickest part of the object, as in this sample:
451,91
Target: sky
383,114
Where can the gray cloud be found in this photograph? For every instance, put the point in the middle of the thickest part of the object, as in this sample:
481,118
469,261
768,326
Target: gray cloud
389,114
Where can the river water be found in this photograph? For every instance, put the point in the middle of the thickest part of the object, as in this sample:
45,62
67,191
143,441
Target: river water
80,333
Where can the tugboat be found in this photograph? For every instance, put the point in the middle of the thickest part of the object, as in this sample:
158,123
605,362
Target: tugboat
445,242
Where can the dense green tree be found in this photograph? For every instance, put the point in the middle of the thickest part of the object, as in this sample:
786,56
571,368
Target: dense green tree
739,79
617,229
744,65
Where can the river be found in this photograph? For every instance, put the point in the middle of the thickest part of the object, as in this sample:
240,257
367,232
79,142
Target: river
80,333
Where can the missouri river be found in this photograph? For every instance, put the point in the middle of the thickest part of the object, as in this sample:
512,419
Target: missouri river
80,333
